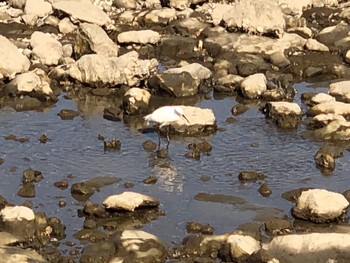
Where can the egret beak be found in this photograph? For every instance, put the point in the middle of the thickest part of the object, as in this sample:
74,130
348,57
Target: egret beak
185,118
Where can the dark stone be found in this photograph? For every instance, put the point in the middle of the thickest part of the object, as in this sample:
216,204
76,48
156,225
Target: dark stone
89,224
282,120
27,103
203,147
58,229
62,203
177,47
112,113
195,227
152,179
162,153
43,138
175,85
94,210
278,226
346,194
265,190
12,137
31,176
128,184
294,194
239,109
100,137
149,145
63,184
250,176
205,178
91,235
67,114
27,190
1,161
193,154
325,156
100,252
113,144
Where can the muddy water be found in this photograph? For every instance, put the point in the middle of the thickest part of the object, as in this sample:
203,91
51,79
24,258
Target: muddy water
73,149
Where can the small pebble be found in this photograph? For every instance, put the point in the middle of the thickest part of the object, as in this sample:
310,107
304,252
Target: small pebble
128,184
265,190
152,179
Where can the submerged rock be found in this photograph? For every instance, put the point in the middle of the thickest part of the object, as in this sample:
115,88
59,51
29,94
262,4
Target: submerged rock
319,205
129,201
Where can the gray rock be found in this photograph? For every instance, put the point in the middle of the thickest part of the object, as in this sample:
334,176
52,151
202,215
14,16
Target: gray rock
196,70
139,247
39,8
286,115
12,61
136,101
160,16
129,201
45,48
319,205
83,10
8,239
126,69
19,255
340,90
313,248
139,37
98,40
330,107
253,86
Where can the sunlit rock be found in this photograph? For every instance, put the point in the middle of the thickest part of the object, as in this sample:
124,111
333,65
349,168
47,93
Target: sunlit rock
253,86
286,115
319,205
17,213
340,90
136,101
139,37
196,70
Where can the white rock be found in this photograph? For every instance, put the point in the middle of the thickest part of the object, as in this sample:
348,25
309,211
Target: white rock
321,98
241,245
126,69
136,100
340,90
254,85
180,4
12,61
161,16
45,48
66,26
320,205
347,57
333,107
325,119
99,41
38,8
30,19
230,79
311,248
139,37
82,10
29,82
8,239
129,201
314,45
17,213
284,107
196,70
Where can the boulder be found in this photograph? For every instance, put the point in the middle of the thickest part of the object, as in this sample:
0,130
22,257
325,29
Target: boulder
129,201
12,61
39,8
98,40
126,69
330,107
139,37
30,82
319,205
253,86
322,120
160,16
16,213
286,115
340,90
313,248
139,246
136,101
11,254
45,48
83,10
196,70
242,246
66,26
314,45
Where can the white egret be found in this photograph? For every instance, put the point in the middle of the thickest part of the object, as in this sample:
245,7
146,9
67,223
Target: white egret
165,116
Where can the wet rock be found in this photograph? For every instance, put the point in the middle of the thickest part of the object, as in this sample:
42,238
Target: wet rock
239,109
83,11
190,26
97,39
126,69
83,190
128,184
31,176
45,48
286,115
319,205
27,190
193,154
337,130
253,86
62,203
150,180
113,144
91,235
265,190
250,176
294,194
112,113
311,98
11,59
139,246
322,120
94,210
178,47
296,248
332,107
129,201
149,145
254,16
136,101
205,178
19,255
314,45
278,226
8,239
102,251
13,137
90,224
219,198
63,184
1,161
325,156
139,37
203,147
279,59
162,153
175,85
27,103
67,114
242,246
340,90
196,70
196,227
43,138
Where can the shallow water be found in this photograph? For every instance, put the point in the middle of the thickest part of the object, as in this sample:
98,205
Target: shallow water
284,156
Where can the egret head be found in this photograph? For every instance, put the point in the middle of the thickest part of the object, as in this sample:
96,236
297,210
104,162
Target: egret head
179,111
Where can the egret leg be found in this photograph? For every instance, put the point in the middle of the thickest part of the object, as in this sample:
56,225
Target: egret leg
158,132
167,137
